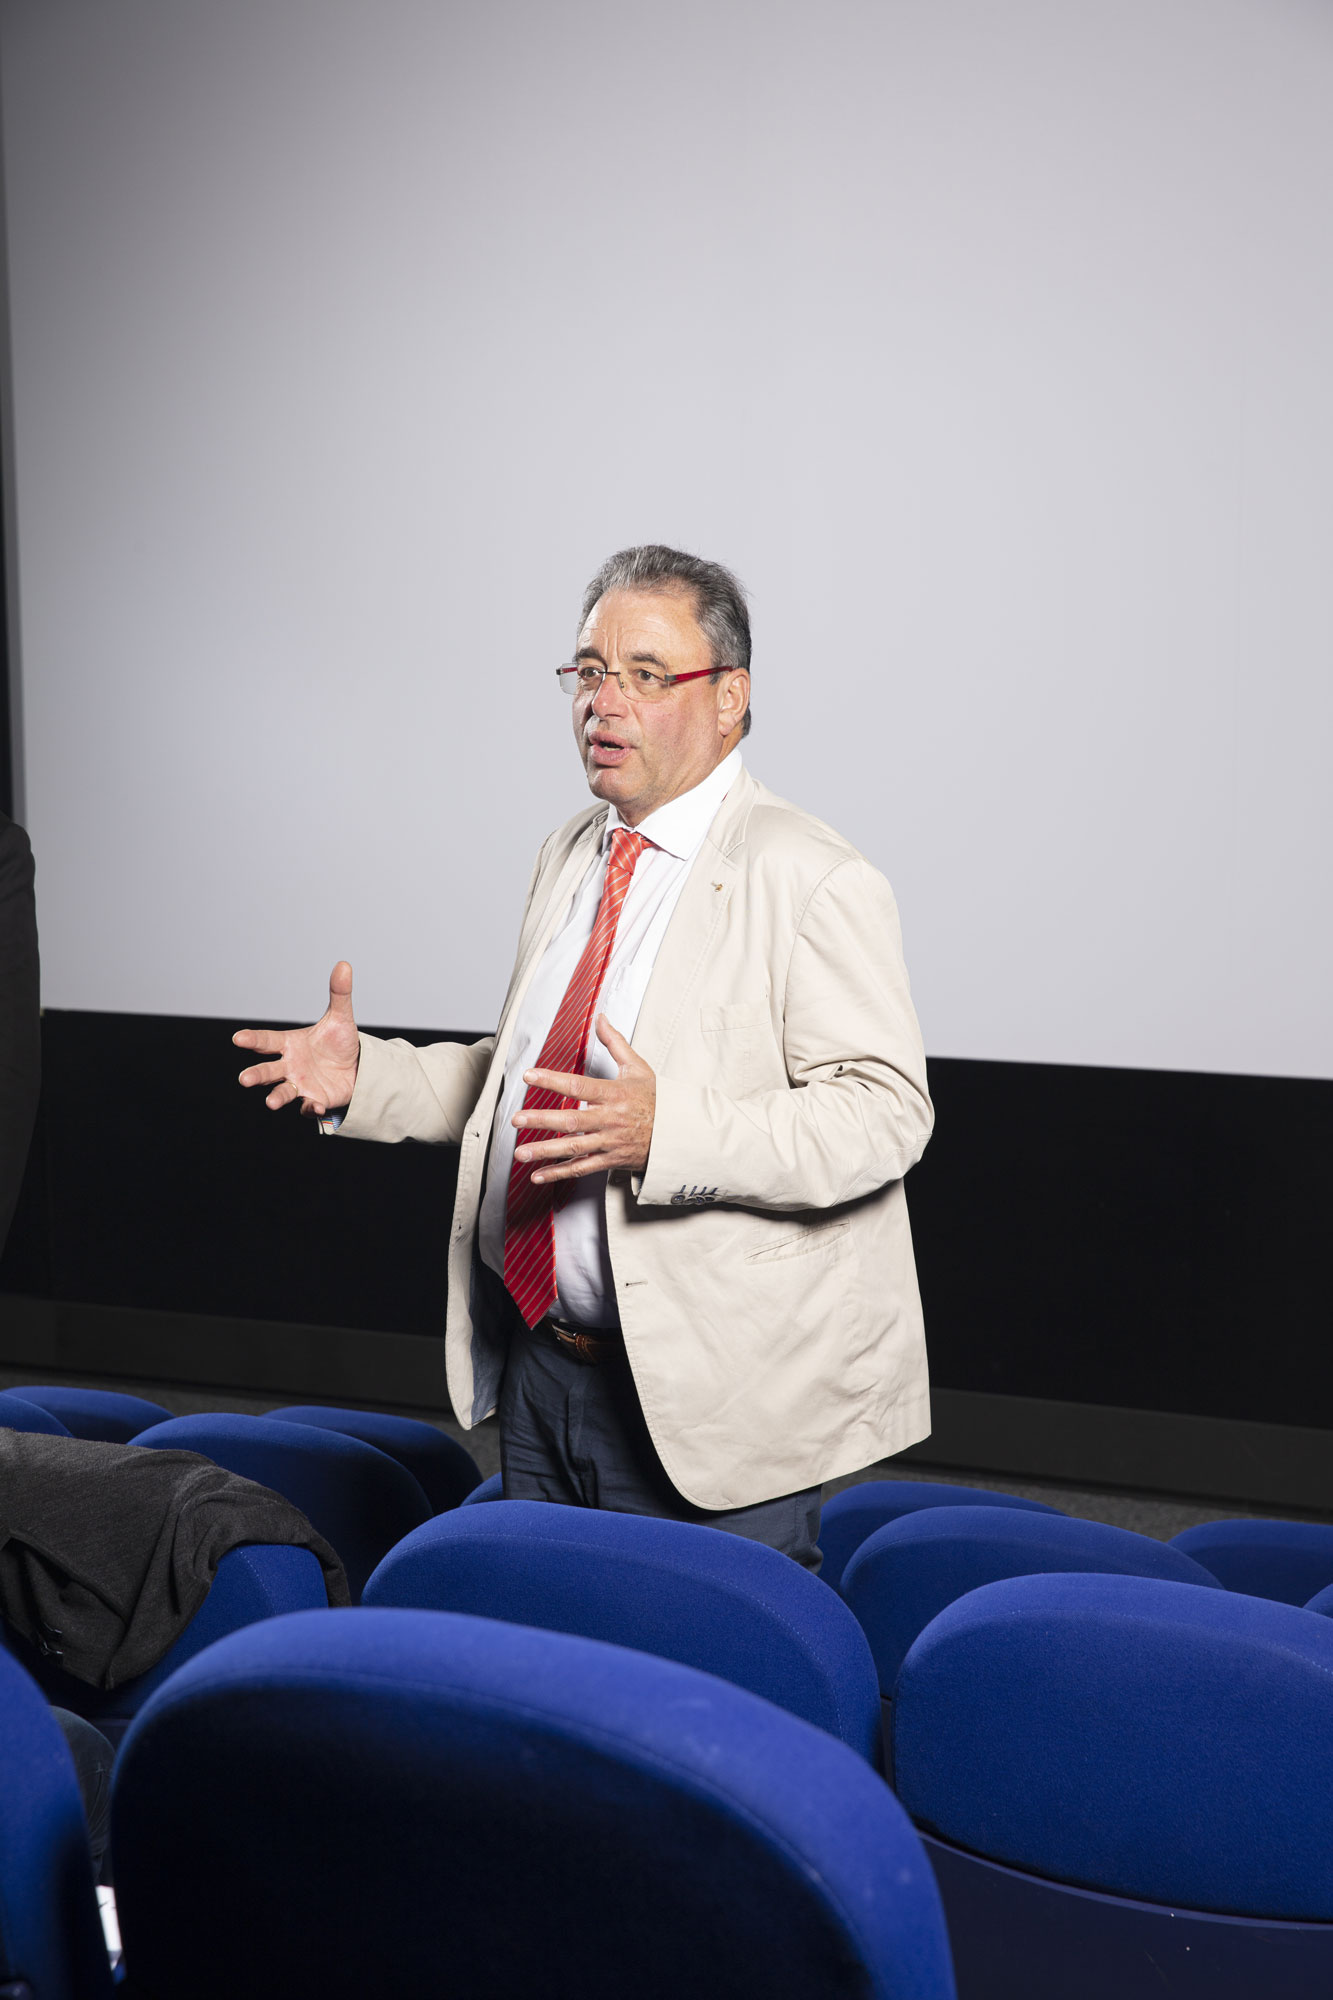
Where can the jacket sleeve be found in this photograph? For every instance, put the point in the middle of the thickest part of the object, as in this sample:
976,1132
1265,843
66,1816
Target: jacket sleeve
404,1092
856,1112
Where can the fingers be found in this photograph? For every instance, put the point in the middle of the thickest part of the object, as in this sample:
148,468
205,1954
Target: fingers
622,1052
340,990
267,1041
564,1149
616,1046
281,1088
588,1089
272,1072
287,1093
573,1170
555,1121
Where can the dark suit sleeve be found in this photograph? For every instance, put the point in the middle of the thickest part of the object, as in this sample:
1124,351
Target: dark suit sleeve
20,1023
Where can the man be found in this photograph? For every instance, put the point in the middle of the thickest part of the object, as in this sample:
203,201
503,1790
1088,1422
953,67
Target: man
20,1088
20,1014
680,1261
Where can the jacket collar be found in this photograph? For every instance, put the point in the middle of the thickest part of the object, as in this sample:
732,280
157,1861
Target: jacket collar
727,832
694,924
681,825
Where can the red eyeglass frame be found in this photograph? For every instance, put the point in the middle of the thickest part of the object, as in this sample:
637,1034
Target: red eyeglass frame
668,680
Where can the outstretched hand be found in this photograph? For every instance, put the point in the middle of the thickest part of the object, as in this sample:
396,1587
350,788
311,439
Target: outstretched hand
614,1130
316,1064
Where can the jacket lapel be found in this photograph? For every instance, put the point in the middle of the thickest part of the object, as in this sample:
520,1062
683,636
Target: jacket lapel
696,923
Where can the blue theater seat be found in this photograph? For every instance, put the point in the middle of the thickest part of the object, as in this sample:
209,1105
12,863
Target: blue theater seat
252,1582
51,1945
445,1472
490,1489
104,1415
17,1414
675,1588
907,1572
361,1501
855,1513
1285,1560
1127,1788
400,1802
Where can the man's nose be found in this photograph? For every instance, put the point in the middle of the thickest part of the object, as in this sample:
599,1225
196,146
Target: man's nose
608,700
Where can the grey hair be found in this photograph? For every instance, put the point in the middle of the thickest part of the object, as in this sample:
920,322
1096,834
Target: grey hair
719,599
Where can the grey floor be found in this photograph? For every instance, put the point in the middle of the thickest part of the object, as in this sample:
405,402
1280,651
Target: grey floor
1159,1515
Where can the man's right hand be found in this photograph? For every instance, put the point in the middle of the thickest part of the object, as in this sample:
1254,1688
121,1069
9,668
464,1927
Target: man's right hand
317,1064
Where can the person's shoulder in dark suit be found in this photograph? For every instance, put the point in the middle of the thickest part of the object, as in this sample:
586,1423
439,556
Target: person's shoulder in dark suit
20,1020
16,866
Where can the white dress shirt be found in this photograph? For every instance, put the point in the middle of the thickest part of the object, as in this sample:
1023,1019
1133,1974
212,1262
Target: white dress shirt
674,834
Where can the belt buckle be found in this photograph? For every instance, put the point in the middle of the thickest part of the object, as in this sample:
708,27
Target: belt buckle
587,1346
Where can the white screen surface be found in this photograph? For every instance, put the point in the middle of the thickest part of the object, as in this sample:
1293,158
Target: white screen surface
990,344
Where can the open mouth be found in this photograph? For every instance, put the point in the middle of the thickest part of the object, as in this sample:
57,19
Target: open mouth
607,749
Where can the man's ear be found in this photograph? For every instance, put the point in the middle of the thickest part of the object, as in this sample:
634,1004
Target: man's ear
735,700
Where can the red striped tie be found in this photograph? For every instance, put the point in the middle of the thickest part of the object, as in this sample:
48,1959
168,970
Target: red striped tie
529,1211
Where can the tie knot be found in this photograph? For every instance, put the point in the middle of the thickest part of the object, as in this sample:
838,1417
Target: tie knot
626,847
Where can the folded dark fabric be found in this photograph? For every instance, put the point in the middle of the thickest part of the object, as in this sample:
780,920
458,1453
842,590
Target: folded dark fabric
108,1550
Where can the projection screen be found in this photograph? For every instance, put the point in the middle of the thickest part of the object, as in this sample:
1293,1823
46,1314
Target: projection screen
988,343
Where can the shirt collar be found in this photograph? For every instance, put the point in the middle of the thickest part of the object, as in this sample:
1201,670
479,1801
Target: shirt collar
680,825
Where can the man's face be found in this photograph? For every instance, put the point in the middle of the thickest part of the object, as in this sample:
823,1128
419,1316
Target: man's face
639,754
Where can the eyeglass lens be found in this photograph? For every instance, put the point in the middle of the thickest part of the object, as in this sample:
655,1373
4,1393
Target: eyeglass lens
584,677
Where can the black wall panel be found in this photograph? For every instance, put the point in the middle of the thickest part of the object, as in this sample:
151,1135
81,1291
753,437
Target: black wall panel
156,1181
1142,1238
1137,1239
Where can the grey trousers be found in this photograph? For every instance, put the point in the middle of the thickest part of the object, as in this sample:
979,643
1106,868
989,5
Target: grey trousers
573,1431
93,1758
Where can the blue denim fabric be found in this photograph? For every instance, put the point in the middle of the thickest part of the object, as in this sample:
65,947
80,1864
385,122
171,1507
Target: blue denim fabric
573,1431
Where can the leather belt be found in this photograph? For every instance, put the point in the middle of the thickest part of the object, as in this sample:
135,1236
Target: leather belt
590,1344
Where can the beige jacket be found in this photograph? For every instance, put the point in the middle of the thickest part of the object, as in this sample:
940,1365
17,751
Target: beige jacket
763,1260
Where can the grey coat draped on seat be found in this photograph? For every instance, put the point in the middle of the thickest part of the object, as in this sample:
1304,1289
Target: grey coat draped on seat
108,1550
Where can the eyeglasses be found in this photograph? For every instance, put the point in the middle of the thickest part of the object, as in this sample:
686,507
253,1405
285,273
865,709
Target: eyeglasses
639,683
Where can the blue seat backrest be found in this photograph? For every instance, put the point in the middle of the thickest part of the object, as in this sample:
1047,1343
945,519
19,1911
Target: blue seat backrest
104,1415
17,1414
389,1799
361,1501
675,1588
51,1945
1286,1560
1131,1735
445,1472
490,1489
257,1580
852,1515
904,1574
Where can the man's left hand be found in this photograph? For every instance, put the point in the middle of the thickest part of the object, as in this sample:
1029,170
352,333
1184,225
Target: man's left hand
615,1129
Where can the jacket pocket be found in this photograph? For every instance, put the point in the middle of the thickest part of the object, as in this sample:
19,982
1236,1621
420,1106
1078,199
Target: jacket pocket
740,1016
740,1042
821,1236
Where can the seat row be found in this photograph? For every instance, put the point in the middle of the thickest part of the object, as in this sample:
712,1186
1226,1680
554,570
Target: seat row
897,1551
383,1802
1291,1561
1103,1749
1112,1785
